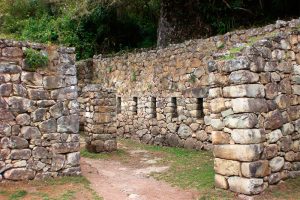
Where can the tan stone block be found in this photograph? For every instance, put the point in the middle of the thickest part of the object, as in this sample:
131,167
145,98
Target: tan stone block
238,152
221,182
246,186
256,169
227,167
219,137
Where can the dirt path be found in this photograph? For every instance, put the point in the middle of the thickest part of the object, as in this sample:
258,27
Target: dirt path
114,180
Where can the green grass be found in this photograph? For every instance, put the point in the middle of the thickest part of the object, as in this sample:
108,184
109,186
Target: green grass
119,153
18,195
188,169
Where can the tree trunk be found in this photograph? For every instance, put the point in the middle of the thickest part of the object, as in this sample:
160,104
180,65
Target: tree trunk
180,20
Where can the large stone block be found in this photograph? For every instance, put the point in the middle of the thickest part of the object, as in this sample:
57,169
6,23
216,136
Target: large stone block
238,152
32,78
67,147
221,182
184,131
220,137
20,104
248,136
256,169
68,93
276,164
246,186
243,76
69,124
18,142
241,121
48,126
274,120
5,89
28,132
53,82
19,174
40,152
252,90
7,68
236,64
38,94
227,167
22,154
217,105
244,105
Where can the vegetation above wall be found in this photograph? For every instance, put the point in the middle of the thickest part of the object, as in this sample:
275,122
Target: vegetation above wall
109,26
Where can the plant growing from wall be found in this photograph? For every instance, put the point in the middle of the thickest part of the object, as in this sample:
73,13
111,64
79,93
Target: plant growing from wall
193,78
35,59
133,76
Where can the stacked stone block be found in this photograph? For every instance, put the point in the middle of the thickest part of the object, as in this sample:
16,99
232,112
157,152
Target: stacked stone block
38,114
100,116
256,137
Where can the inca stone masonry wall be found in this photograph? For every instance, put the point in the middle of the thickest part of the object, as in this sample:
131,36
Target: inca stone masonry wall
237,93
39,120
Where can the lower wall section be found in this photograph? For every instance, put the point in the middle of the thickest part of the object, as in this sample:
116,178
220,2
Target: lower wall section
38,115
170,121
100,117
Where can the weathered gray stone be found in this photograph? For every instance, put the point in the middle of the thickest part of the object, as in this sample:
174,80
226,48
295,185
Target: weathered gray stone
53,82
65,147
238,152
274,136
274,178
28,132
22,154
184,131
243,76
73,159
48,126
287,129
247,136
19,174
8,68
251,90
276,164
241,121
39,115
40,152
6,89
32,78
246,186
23,119
217,124
18,142
67,93
57,162
274,120
244,105
68,124
236,64
20,104
38,94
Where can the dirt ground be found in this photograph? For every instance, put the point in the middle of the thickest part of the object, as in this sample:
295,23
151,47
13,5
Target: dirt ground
130,180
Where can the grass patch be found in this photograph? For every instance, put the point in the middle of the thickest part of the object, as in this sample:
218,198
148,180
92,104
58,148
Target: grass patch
118,153
188,169
18,195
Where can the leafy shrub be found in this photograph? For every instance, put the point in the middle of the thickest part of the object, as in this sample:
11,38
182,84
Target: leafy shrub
35,59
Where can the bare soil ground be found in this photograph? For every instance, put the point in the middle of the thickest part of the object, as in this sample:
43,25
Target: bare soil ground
129,178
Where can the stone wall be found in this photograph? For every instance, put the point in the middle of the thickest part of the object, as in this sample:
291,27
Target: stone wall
39,121
256,142
238,93
181,71
99,106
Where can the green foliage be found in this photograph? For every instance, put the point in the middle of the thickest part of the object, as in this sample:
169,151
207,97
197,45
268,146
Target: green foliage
18,195
193,78
118,153
133,76
35,59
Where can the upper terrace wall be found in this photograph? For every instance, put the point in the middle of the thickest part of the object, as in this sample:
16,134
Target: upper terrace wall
147,81
39,121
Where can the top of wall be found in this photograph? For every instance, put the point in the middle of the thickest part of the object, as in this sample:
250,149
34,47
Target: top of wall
179,67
